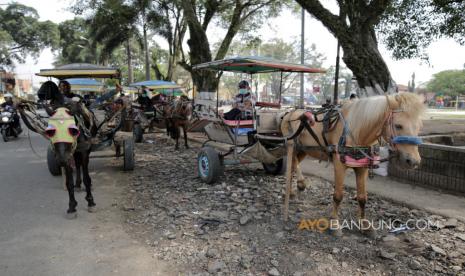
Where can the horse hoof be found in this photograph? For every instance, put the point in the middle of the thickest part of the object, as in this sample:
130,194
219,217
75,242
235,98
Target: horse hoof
92,209
72,215
301,185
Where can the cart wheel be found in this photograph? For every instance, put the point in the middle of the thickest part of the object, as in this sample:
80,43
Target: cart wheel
209,165
128,145
4,135
52,164
276,168
138,133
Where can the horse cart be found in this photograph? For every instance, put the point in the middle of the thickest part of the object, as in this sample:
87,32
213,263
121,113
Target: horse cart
258,140
113,128
146,120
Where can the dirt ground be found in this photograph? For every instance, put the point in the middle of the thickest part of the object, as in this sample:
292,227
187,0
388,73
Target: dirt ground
235,227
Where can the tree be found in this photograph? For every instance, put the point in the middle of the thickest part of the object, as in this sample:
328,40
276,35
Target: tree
408,27
112,25
233,15
75,43
167,20
450,82
354,27
22,34
117,22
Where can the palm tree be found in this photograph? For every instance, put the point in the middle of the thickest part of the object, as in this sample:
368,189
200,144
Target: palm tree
116,23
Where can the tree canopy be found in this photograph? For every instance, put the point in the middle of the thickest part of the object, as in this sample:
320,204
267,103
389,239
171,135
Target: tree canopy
408,27
76,44
449,82
22,34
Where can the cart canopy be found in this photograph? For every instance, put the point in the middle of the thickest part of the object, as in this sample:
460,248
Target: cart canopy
166,87
85,85
255,64
80,70
156,84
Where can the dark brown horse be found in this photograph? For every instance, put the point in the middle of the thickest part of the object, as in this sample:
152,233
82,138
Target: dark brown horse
69,131
177,116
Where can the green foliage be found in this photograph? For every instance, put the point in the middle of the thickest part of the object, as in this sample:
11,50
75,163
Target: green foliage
450,82
76,44
409,26
22,34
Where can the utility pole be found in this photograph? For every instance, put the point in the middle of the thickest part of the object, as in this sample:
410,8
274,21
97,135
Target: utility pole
302,60
336,76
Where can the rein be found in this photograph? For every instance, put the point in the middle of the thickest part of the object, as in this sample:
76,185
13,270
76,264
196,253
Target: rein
332,114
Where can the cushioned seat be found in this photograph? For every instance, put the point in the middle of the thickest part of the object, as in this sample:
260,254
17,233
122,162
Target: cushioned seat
242,123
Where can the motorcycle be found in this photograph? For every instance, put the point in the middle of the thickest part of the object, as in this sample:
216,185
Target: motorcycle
6,124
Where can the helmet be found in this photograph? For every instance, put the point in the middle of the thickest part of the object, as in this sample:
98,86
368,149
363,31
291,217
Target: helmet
243,84
8,95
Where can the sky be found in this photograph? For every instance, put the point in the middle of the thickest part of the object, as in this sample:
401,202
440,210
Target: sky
444,54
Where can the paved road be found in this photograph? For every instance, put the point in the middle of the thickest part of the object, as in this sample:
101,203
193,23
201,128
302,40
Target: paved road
37,239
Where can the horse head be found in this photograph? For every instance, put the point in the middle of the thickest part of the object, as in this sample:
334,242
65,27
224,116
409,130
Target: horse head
403,126
63,134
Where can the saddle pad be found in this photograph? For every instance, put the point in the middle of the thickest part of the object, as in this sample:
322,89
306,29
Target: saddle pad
233,123
363,162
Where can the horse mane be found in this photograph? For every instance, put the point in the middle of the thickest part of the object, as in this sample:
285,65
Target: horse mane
369,113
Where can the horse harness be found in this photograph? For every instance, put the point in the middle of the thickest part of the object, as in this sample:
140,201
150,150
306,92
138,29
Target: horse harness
351,156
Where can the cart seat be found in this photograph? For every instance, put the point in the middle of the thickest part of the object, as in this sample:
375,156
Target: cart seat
241,123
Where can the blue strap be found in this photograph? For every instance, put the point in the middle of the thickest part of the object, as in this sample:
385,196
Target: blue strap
411,140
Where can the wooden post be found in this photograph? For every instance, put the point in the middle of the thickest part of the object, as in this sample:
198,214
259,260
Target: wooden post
290,159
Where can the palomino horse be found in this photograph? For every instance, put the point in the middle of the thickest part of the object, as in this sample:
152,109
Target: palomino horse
178,116
70,133
355,128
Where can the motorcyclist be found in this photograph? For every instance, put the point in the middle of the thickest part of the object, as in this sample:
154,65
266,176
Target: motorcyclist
10,106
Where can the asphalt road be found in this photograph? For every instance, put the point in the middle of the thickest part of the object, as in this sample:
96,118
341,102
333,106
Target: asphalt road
37,239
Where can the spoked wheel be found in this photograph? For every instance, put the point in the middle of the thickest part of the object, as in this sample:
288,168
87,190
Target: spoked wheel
52,164
138,133
276,168
129,162
209,165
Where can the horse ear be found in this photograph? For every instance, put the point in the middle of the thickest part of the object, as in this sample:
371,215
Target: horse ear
394,102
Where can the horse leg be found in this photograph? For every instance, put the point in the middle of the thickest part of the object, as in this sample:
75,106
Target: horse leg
71,212
301,180
88,182
339,175
361,175
184,128
77,162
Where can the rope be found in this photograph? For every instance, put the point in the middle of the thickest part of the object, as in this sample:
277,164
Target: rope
30,144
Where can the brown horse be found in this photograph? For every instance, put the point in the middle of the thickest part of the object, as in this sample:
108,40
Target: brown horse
361,124
177,116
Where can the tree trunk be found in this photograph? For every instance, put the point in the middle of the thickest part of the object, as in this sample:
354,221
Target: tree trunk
361,55
128,53
146,48
354,27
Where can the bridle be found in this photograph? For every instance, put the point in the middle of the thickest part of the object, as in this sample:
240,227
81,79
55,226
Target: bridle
393,139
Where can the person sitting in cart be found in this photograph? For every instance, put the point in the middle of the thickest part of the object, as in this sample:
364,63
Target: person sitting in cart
144,100
65,89
243,104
